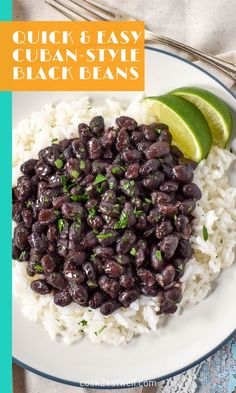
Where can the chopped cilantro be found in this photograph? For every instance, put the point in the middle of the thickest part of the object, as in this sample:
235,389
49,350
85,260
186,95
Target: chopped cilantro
159,255
122,222
133,251
56,212
60,225
99,178
104,235
92,284
116,169
28,204
82,164
175,217
147,200
75,198
205,233
63,180
38,268
138,212
22,255
100,330
75,174
92,212
128,184
84,322
58,163
158,130
54,140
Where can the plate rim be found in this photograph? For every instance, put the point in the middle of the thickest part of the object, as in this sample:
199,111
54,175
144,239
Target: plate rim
174,373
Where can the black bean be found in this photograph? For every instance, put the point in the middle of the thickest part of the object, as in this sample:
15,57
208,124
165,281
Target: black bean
42,169
127,281
157,149
74,259
185,249
20,237
168,210
58,201
72,210
89,270
113,269
126,242
183,173
17,209
48,263
52,232
47,216
94,148
168,245
76,231
174,295
107,237
84,131
165,136
50,154
136,136
74,276
108,138
163,229
126,122
79,149
41,287
15,252
133,171
72,168
79,294
109,285
89,240
143,146
129,187
122,140
109,307
139,257
187,207
68,153
188,162
56,280
149,291
146,277
97,125
104,252
96,300
62,247
122,259
153,180
149,132
169,186
149,166
28,167
166,276
191,190
62,298
24,188
128,296
159,197
131,155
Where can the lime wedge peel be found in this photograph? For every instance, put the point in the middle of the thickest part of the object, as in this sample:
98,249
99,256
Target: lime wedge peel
215,111
187,125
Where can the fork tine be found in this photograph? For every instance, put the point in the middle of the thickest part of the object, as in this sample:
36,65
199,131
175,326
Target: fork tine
62,8
89,11
97,6
62,11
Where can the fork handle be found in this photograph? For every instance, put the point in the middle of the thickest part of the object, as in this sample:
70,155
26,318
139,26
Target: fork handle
228,68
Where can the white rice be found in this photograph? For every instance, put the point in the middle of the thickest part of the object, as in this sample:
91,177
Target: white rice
216,210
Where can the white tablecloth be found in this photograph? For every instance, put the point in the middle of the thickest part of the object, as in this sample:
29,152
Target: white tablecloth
205,24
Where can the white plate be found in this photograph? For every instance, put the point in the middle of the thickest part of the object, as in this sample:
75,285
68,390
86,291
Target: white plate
185,339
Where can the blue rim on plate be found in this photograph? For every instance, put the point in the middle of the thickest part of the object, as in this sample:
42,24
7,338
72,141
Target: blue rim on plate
149,381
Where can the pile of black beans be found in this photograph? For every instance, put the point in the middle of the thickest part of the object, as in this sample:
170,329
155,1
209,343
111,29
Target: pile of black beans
106,217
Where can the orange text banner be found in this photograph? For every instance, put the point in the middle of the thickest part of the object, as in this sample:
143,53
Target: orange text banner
72,56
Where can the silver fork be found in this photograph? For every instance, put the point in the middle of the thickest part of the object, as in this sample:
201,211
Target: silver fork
96,10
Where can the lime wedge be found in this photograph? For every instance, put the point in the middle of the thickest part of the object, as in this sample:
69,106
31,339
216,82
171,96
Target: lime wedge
186,123
216,112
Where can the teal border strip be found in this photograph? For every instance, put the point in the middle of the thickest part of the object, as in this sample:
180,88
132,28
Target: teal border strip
5,198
